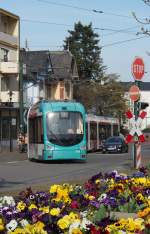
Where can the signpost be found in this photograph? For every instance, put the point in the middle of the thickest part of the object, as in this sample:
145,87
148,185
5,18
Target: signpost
135,134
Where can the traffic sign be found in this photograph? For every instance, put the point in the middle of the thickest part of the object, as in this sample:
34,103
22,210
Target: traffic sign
134,93
135,126
138,68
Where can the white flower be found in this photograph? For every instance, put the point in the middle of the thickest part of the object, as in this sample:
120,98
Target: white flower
8,200
102,196
84,213
116,172
24,222
74,225
11,226
84,223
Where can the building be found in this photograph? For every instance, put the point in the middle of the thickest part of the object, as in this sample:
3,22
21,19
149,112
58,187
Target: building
48,75
144,97
9,75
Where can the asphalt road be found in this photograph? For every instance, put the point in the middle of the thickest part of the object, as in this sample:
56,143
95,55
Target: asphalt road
17,173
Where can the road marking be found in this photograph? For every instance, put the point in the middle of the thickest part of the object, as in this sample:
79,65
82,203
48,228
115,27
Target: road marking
17,161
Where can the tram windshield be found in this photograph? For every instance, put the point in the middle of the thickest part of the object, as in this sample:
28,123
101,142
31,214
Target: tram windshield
64,128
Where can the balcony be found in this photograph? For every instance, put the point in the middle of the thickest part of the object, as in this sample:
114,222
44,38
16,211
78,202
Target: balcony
5,97
9,68
9,39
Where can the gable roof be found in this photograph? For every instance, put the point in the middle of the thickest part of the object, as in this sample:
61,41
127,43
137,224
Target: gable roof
57,65
63,65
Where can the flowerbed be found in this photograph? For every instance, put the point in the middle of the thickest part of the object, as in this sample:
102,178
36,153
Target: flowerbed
75,209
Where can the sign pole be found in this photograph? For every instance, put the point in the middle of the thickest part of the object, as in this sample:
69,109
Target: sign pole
138,73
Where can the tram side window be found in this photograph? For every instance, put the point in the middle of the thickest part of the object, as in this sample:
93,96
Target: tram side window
93,131
115,130
108,130
36,130
101,132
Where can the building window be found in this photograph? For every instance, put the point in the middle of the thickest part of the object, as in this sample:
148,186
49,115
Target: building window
48,91
4,55
4,83
9,83
61,90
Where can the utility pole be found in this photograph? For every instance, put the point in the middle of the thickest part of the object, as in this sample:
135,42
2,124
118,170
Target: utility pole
136,114
21,97
10,93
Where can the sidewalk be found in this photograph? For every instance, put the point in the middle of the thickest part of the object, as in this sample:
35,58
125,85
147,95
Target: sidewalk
15,155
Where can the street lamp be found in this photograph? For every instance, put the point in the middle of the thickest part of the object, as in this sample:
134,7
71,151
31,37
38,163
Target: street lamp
10,93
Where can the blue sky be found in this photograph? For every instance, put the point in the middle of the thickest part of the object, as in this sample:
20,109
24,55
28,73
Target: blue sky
117,57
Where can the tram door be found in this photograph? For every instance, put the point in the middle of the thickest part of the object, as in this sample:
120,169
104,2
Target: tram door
93,135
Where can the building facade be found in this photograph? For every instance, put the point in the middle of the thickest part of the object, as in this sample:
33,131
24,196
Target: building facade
9,75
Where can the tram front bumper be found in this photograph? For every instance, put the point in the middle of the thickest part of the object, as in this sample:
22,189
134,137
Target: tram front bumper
65,154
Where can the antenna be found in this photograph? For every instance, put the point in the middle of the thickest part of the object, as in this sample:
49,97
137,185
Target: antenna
26,45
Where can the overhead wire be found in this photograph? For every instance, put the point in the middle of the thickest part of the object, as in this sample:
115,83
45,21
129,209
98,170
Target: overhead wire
69,25
85,9
121,42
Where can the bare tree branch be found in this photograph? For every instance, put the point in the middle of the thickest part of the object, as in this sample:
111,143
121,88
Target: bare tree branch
146,2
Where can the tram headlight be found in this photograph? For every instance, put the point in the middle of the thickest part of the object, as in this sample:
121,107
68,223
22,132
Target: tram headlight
49,147
83,147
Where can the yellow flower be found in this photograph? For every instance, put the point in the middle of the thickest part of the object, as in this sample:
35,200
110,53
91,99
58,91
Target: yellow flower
140,197
73,217
91,197
76,231
97,181
39,225
1,225
55,211
18,231
53,188
21,206
32,206
45,209
35,229
144,212
64,222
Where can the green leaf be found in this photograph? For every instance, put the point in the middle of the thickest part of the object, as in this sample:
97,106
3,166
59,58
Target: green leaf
100,214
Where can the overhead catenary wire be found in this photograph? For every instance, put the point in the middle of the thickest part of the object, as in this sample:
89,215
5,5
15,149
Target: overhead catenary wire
124,41
112,44
85,9
69,25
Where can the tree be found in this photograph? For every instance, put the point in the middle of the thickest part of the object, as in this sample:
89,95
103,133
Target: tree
83,44
100,93
110,99
144,22
104,99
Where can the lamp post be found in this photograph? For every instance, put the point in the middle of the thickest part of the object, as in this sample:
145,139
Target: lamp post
10,93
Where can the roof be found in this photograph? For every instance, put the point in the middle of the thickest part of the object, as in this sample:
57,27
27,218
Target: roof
9,14
144,86
58,65
63,65
36,63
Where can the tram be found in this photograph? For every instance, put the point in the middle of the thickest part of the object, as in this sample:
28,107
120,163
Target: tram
56,131
99,128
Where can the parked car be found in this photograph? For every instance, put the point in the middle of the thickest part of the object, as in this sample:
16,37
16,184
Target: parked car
115,144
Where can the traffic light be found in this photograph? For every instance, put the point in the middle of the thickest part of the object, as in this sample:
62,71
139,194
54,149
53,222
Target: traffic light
143,105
